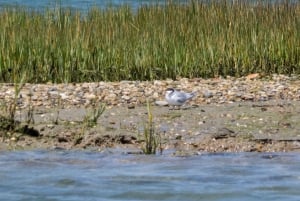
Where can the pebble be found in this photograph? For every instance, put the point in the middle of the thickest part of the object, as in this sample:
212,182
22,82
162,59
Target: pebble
161,103
215,90
207,94
90,96
64,96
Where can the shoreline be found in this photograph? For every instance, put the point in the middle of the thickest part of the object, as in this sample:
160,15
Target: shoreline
248,114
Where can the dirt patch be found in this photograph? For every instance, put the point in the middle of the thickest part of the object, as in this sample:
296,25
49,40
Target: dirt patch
265,126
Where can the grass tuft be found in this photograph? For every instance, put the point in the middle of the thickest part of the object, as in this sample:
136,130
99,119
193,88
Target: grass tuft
93,114
152,140
8,123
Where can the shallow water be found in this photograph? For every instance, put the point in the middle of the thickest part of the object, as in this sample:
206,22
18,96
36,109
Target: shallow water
86,4
65,175
79,4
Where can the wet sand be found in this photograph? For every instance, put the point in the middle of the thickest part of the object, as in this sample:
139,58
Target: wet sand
266,126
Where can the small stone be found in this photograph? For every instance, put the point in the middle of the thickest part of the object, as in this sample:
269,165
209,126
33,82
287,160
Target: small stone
247,97
253,76
224,133
63,96
112,96
155,95
207,94
39,103
178,137
52,89
127,98
131,106
161,103
53,93
34,98
51,126
201,122
90,96
158,82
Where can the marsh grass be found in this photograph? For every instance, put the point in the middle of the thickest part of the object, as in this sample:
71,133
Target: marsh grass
153,42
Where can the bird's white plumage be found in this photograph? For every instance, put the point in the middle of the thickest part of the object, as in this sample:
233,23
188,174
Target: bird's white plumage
177,98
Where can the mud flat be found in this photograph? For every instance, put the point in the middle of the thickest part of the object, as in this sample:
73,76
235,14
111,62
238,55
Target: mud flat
228,115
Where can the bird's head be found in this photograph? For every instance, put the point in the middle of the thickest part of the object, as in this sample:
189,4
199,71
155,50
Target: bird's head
169,90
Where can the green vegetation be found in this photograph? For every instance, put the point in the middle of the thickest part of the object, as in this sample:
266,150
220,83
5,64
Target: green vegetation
8,109
154,42
152,140
90,120
93,114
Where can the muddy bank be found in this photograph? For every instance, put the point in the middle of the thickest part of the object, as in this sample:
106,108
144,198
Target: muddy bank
264,126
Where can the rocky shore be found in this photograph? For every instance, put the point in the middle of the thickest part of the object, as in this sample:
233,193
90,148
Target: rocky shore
252,113
217,90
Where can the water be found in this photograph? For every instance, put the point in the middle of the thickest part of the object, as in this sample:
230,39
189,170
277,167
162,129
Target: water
84,5
62,175
79,4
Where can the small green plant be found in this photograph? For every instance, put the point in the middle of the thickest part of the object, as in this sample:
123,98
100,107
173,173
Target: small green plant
151,138
93,114
57,103
8,123
29,114
9,108
90,120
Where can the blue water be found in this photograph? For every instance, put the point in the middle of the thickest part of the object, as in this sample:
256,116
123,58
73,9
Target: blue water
78,4
84,5
65,175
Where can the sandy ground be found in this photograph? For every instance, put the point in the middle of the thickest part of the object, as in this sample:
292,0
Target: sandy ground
267,126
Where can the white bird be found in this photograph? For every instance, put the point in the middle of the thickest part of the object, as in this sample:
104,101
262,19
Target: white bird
177,98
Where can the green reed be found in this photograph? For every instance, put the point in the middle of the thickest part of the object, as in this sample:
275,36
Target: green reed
153,42
152,139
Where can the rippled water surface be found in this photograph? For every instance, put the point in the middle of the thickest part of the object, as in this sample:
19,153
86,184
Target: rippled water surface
60,175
